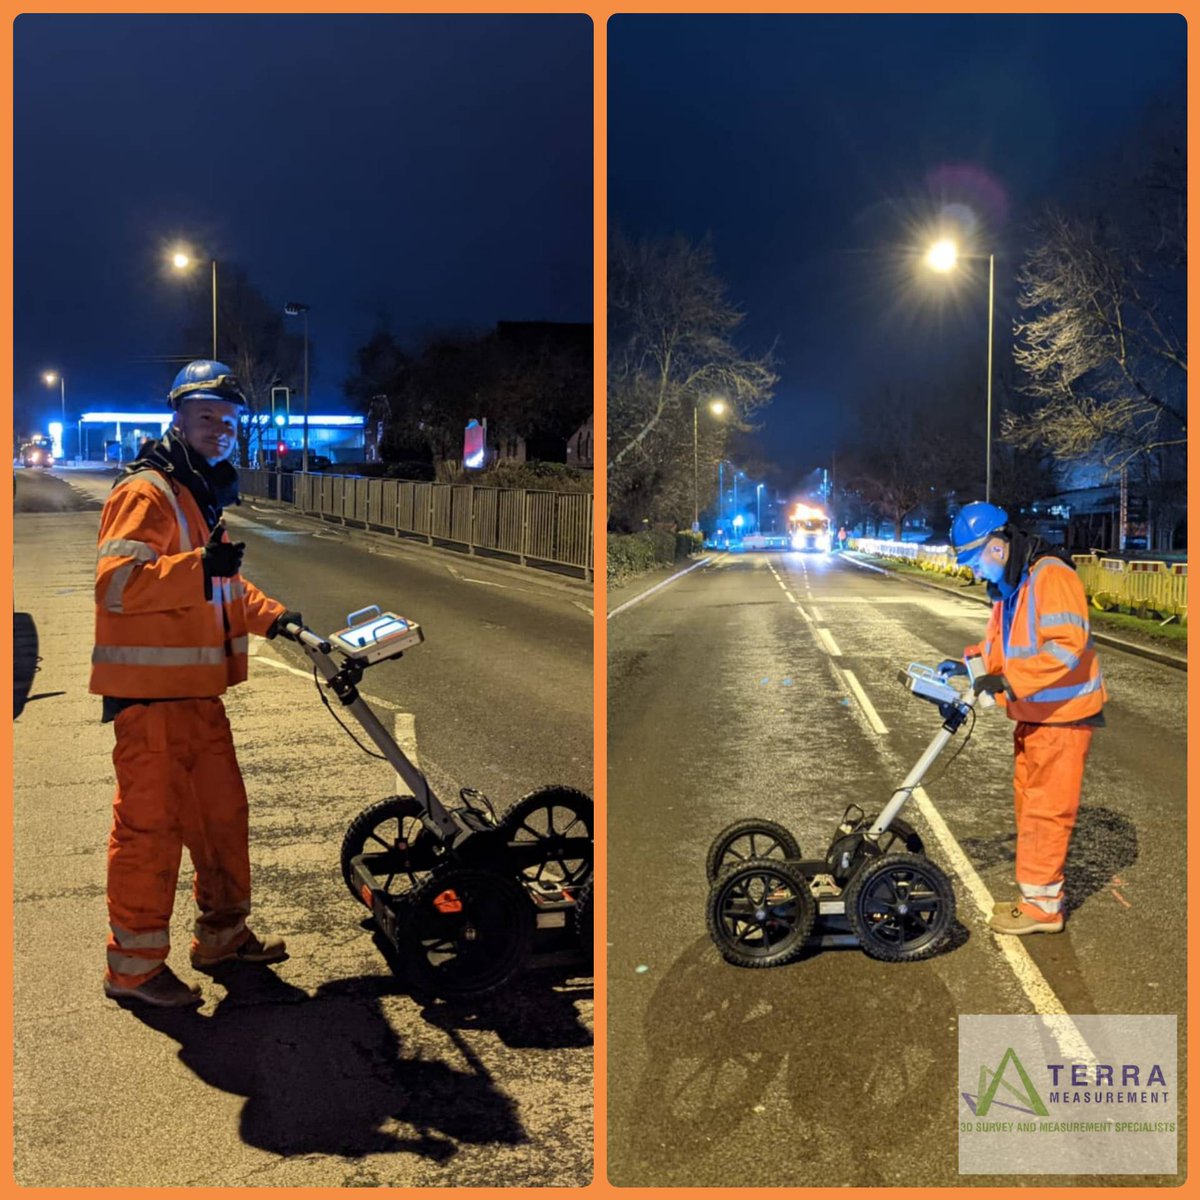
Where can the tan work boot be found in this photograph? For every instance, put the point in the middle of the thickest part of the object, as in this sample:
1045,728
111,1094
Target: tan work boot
253,950
164,989
1003,906
1016,920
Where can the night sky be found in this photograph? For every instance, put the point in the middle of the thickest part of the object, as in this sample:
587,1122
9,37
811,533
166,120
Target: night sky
813,148
433,170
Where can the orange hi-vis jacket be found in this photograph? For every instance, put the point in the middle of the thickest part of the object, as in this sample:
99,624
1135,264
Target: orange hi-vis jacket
157,636
1049,659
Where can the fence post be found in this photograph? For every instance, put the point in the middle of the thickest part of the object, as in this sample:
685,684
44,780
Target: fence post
524,527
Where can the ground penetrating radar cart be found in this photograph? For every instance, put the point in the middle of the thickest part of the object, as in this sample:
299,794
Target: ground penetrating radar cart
874,887
464,896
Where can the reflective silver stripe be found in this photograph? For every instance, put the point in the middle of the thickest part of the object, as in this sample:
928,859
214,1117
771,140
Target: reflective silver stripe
1067,693
164,656
156,480
1047,906
114,598
127,548
236,589
1063,654
126,964
1064,618
240,645
140,941
1022,651
1029,890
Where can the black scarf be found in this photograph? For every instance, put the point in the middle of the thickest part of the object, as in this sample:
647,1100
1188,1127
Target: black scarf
213,487
1024,549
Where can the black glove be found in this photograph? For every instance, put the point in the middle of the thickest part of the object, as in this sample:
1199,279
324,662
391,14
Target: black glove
220,558
992,684
285,618
949,667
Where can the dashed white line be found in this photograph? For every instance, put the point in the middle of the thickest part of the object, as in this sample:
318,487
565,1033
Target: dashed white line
827,641
865,704
816,615
789,595
804,614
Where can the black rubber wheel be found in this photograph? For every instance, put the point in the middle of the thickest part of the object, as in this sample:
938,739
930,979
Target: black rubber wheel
465,931
750,839
760,913
401,850
900,838
585,920
549,836
901,906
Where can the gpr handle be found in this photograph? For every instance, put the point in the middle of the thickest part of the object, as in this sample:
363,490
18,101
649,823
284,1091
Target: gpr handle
307,637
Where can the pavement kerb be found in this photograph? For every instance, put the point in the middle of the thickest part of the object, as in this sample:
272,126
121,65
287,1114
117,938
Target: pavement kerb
653,580
1105,639
550,579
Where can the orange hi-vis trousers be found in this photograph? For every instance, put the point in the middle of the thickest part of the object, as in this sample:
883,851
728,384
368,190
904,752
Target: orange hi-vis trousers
178,784
1047,782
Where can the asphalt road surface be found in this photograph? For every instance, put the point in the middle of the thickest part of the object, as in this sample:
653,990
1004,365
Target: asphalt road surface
322,1070
761,685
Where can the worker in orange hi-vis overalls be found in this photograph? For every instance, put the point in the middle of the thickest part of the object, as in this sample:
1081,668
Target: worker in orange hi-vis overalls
173,615
1041,664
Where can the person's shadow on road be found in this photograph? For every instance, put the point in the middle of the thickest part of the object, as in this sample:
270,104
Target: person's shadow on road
326,1074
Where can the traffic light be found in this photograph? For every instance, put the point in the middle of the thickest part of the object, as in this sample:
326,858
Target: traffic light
281,449
281,404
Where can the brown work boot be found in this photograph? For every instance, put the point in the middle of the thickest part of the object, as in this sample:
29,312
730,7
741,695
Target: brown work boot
164,989
253,950
1003,906
1017,921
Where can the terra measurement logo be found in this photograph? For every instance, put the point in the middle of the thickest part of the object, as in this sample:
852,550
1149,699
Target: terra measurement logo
990,1082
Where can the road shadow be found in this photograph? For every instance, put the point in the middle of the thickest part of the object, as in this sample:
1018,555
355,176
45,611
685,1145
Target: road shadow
751,1080
25,659
327,1074
1104,843
534,1011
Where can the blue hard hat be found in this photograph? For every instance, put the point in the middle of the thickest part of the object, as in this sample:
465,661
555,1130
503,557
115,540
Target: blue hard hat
205,379
972,527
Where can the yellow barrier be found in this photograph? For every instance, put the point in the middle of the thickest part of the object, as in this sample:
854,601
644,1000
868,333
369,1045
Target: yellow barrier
1144,587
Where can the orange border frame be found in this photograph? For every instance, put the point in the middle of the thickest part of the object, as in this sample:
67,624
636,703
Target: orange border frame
599,12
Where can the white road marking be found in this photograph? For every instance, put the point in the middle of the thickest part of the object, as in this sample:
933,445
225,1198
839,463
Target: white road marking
865,566
789,595
866,705
816,615
405,732
1034,984
827,641
804,614
650,591
586,608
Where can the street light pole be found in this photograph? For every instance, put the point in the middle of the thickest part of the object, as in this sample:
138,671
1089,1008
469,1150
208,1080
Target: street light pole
942,256
214,307
987,494
695,466
51,378
758,509
295,309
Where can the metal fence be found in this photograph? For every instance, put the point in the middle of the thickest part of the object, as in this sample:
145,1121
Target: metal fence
535,528
1109,582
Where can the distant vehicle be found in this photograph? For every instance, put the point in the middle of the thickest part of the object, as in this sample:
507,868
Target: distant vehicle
808,527
764,541
37,453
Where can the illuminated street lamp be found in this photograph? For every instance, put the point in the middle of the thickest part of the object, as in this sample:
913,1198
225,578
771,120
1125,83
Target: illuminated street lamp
294,309
716,407
942,257
181,261
758,507
50,378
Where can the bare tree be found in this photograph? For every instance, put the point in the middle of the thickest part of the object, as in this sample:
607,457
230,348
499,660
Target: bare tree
671,350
